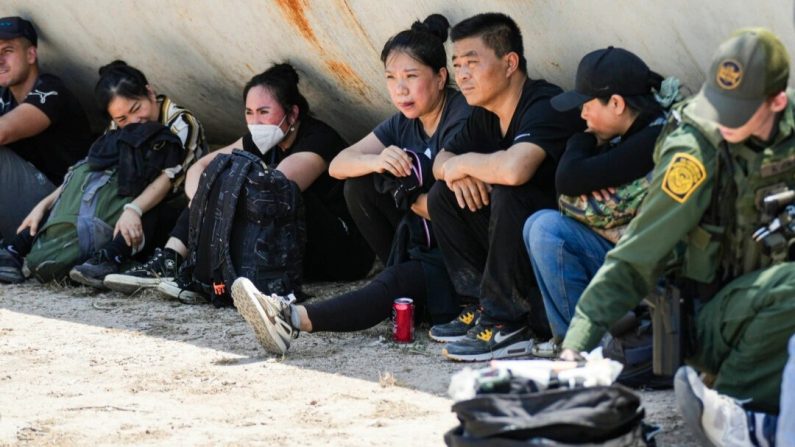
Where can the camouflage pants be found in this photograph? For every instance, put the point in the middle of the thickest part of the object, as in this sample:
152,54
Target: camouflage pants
742,334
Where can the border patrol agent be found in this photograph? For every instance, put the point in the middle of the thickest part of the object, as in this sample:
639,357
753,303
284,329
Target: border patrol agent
734,145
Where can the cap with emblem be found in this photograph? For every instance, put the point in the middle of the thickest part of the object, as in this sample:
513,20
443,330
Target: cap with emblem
13,27
747,69
604,73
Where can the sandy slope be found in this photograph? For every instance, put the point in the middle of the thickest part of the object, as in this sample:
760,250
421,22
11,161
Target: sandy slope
80,368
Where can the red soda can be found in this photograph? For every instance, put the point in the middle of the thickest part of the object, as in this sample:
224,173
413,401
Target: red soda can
403,320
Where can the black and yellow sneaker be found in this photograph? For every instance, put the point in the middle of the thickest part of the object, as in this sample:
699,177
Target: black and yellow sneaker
489,341
456,329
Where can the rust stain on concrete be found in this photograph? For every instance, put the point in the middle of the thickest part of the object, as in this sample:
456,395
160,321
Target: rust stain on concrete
348,78
295,12
358,26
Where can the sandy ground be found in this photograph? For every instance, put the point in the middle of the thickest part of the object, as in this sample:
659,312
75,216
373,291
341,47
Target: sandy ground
79,367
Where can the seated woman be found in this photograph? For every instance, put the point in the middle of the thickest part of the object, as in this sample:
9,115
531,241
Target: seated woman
601,176
430,113
124,93
284,134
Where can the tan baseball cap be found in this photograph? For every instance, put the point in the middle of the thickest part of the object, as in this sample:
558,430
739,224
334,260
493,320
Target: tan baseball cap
747,69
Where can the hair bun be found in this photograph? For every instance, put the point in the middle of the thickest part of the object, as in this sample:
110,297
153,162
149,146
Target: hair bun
115,64
435,24
655,80
284,71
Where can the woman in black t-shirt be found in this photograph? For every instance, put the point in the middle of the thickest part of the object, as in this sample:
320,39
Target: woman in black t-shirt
284,135
390,160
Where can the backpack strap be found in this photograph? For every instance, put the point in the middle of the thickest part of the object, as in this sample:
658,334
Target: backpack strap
199,204
221,267
95,181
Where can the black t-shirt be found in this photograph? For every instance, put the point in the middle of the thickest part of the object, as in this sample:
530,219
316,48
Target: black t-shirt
317,137
68,137
534,121
408,133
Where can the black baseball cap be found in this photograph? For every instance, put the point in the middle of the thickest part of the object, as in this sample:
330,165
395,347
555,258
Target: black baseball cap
603,73
13,27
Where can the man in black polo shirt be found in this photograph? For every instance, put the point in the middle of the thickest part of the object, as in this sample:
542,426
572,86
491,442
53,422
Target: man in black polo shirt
496,172
43,128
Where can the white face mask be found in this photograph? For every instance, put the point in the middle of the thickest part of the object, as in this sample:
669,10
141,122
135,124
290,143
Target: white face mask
266,136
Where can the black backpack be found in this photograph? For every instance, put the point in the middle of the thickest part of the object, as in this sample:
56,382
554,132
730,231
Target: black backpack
601,415
246,220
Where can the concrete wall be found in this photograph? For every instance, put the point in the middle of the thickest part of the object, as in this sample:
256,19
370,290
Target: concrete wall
202,52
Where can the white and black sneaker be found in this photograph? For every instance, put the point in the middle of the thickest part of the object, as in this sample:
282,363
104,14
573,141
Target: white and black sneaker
268,315
183,288
162,265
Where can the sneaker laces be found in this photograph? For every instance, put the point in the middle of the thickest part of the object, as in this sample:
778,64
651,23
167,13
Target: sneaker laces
284,304
467,316
153,260
481,332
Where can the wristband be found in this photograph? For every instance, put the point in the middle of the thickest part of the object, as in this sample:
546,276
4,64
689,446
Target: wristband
135,208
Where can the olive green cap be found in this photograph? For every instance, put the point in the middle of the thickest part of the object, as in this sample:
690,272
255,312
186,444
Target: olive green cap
747,69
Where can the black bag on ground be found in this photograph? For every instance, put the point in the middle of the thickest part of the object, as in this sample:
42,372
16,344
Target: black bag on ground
602,415
246,220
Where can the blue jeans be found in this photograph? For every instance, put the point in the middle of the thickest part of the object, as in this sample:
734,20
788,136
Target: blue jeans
565,255
786,420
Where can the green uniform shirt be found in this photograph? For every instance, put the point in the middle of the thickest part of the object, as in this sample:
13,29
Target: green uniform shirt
668,234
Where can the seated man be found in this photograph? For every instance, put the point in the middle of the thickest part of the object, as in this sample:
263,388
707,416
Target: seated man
496,172
697,224
43,128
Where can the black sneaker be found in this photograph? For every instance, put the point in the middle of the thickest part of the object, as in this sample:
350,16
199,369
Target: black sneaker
93,271
456,329
183,288
488,341
162,265
10,267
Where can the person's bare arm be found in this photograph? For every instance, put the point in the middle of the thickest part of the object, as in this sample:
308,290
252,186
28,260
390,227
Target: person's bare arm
438,163
23,121
195,171
303,168
129,223
369,155
513,166
36,215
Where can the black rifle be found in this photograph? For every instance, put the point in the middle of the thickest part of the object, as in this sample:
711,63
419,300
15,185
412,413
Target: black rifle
778,232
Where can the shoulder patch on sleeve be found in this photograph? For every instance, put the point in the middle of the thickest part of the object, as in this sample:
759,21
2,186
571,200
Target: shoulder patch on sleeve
683,176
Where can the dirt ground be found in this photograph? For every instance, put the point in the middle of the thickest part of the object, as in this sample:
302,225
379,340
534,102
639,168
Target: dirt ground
79,367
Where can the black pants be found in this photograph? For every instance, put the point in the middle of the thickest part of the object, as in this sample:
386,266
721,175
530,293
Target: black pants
372,304
375,214
485,255
181,229
335,249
